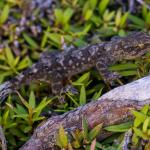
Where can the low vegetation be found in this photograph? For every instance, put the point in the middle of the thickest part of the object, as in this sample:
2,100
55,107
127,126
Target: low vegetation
24,35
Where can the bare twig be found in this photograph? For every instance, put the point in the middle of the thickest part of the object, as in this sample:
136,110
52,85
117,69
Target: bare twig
143,3
126,140
2,139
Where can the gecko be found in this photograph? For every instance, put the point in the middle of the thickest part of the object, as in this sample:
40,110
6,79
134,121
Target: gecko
56,68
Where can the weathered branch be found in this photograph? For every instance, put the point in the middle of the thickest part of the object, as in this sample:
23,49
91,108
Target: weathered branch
2,139
112,108
143,3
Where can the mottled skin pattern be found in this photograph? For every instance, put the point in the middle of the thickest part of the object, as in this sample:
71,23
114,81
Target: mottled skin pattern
57,67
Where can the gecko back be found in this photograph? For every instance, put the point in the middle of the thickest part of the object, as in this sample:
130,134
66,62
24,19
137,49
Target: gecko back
36,73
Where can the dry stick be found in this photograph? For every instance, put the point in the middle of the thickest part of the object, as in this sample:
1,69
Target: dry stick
112,108
143,3
2,139
126,140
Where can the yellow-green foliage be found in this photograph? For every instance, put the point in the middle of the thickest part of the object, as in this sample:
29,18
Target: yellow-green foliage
80,139
72,22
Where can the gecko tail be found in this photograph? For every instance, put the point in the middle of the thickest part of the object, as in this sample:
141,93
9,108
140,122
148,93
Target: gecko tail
5,90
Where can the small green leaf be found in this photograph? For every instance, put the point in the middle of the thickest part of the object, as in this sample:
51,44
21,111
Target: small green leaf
148,18
86,29
5,117
5,13
119,128
88,14
24,101
94,132
146,124
37,118
16,132
41,106
58,143
118,18
69,146
108,16
9,56
72,99
68,38
139,115
23,116
93,3
20,109
96,20
4,68
78,135
103,5
84,78
32,100
82,98
27,129
120,67
85,128
16,61
44,38
30,41
56,38
128,73
85,7
122,32
145,109
67,15
23,63
76,144
140,133
124,19
63,139
144,11
97,94
136,20
137,122
148,132
59,15
135,139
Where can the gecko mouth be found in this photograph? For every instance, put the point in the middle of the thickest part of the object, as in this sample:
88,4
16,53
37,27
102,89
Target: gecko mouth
141,54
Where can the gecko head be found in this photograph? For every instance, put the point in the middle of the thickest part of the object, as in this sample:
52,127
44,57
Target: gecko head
135,45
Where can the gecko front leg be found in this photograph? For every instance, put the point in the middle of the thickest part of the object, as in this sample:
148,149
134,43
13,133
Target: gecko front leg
59,90
56,86
107,75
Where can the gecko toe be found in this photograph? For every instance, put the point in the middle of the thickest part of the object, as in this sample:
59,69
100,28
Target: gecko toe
71,89
112,77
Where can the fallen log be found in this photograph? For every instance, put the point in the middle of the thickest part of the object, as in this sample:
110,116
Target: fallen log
2,139
112,108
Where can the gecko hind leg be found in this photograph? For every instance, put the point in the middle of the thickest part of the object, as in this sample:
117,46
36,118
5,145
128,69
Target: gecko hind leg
107,75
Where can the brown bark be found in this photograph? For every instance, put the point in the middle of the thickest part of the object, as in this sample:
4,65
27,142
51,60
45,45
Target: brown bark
113,110
2,139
